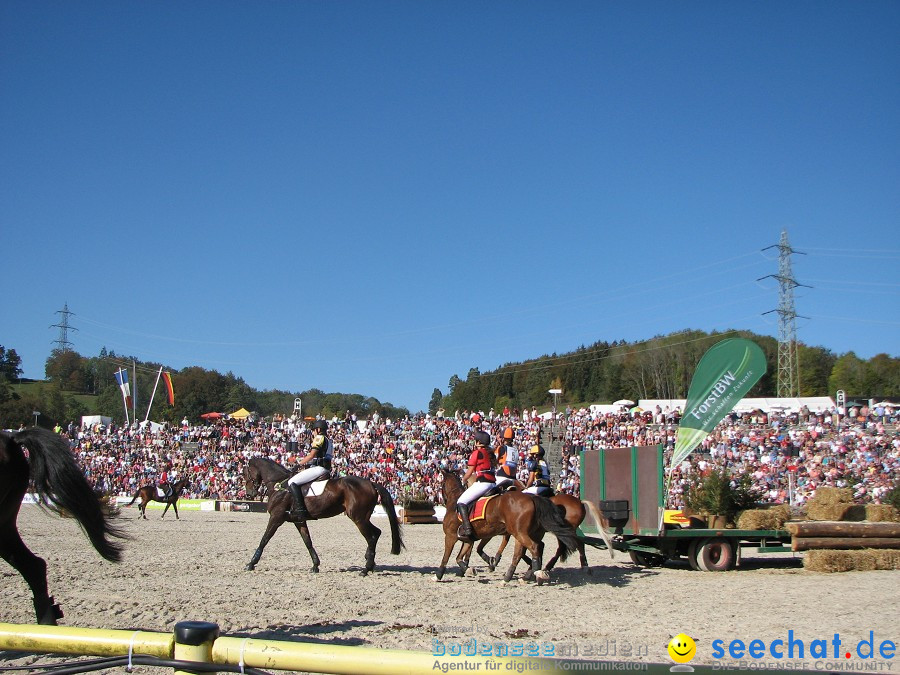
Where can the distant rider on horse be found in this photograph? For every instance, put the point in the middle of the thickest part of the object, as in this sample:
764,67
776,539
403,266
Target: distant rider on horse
165,483
507,460
481,464
539,482
318,465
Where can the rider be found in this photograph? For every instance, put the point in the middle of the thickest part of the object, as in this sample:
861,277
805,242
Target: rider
539,482
507,459
318,461
481,463
164,483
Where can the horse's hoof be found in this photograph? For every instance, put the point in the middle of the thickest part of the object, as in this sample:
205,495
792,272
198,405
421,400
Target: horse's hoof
364,573
250,567
315,570
541,577
586,569
435,578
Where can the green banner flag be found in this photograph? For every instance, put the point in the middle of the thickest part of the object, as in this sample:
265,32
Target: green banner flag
723,377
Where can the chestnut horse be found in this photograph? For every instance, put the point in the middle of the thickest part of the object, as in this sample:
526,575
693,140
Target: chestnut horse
352,495
45,458
524,516
575,512
149,493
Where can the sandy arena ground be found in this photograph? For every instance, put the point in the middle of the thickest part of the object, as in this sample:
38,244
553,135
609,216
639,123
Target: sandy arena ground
193,569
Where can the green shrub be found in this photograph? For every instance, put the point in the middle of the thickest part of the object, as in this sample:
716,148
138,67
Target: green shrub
718,494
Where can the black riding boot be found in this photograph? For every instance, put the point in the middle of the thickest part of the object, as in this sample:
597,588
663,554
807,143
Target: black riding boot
298,510
465,530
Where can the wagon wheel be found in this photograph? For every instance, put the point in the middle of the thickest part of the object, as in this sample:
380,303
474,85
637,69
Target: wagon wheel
692,554
646,559
716,555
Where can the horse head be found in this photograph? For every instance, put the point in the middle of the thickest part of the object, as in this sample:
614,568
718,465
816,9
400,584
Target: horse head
452,485
252,481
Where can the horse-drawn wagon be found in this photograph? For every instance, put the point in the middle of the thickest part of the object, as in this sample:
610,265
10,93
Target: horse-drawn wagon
627,485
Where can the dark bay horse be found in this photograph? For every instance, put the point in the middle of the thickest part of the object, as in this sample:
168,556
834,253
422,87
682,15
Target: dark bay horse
521,515
352,495
149,493
575,512
46,459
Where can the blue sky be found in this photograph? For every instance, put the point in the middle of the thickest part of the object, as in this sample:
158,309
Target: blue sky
370,197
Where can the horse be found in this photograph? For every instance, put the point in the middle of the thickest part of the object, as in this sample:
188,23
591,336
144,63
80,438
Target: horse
45,458
575,512
149,493
524,516
352,495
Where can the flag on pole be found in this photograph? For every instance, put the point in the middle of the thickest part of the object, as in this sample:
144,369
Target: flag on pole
122,380
723,377
167,378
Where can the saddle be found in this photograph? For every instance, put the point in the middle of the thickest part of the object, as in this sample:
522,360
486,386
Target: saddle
478,509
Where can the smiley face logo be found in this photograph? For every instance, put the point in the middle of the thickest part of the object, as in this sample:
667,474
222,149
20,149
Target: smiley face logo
682,648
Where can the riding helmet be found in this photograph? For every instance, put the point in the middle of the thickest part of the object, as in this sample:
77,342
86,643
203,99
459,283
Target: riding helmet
320,425
483,438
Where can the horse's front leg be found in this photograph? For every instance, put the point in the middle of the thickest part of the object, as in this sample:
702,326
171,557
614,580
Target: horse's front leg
484,556
462,558
274,523
449,543
168,504
517,556
495,559
303,529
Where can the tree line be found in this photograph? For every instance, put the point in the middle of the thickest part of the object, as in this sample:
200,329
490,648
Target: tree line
660,368
76,385
602,372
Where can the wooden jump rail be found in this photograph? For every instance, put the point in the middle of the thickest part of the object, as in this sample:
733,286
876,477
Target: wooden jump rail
250,652
814,535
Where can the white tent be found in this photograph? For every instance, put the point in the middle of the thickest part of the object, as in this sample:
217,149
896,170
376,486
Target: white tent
91,420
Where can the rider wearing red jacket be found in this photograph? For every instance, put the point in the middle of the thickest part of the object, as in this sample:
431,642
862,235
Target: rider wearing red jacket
481,465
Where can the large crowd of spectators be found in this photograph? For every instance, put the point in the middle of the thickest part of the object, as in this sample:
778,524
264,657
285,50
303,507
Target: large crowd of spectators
788,455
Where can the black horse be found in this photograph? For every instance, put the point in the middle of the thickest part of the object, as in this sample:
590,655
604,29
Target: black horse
352,495
149,493
46,459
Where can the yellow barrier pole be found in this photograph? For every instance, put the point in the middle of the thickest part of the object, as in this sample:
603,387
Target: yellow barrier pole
346,660
193,642
89,641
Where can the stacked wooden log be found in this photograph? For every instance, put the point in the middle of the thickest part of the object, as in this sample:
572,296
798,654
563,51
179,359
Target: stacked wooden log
808,535
418,515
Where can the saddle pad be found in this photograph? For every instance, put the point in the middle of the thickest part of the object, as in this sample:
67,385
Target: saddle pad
315,488
478,509
160,492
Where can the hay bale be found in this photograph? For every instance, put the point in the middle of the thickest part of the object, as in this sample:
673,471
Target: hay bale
818,511
886,559
764,519
882,513
828,561
831,496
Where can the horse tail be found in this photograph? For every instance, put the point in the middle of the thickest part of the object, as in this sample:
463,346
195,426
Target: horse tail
388,503
134,499
549,517
60,484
